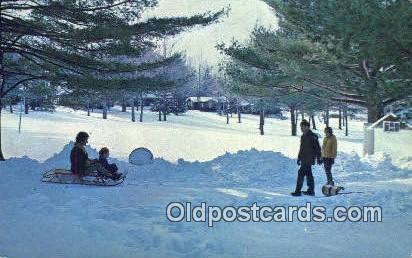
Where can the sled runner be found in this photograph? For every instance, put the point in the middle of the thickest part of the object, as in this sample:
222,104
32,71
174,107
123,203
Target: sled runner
63,176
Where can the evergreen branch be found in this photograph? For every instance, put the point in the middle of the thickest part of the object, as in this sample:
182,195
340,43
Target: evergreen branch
20,82
12,42
26,7
101,7
44,59
330,89
351,101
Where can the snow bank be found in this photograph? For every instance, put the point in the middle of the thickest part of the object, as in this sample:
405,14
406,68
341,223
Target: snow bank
46,220
351,167
62,159
250,168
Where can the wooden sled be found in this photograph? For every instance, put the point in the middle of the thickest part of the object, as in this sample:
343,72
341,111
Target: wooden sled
63,176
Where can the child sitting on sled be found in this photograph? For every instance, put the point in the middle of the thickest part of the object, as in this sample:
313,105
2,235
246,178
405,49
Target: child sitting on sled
112,168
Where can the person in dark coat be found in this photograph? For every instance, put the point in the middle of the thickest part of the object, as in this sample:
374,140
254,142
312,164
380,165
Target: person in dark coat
309,152
81,165
78,156
112,168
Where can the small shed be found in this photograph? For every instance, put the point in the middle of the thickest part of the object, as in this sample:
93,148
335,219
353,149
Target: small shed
388,134
391,123
204,103
150,99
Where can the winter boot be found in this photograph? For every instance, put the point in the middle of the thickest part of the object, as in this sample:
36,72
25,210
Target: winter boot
311,193
296,193
117,176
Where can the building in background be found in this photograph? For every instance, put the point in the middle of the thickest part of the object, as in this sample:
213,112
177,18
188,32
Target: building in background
389,134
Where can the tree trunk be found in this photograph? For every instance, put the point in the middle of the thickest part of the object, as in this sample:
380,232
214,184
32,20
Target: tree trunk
374,100
327,116
1,92
26,108
11,108
1,152
346,122
296,116
88,108
375,112
165,108
262,121
312,117
293,121
124,106
160,114
177,108
340,118
227,111
141,107
133,115
105,110
239,118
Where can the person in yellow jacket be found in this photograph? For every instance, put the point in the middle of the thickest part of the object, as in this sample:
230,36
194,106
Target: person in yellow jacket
329,151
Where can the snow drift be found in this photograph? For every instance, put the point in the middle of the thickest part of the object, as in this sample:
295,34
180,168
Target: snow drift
47,220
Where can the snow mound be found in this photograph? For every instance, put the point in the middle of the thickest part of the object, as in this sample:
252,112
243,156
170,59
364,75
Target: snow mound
351,167
406,163
62,158
248,168
254,168
130,217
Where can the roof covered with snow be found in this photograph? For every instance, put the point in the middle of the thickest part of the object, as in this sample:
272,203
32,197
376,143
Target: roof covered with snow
382,119
385,117
205,99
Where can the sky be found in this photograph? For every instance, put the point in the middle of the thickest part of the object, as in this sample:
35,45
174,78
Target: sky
199,43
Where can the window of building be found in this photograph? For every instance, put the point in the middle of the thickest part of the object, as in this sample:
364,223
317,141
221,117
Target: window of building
389,126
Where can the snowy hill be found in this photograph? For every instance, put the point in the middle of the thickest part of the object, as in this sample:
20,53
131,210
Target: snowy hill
192,136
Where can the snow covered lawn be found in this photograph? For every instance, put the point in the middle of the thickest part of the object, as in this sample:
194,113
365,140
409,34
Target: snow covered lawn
199,159
193,136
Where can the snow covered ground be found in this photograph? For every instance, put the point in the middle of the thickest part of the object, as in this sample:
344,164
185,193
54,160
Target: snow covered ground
198,159
193,136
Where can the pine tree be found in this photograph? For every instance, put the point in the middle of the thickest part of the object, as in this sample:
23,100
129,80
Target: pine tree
80,41
270,65
370,40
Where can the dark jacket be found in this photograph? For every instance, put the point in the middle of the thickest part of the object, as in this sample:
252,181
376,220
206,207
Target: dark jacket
78,159
309,149
110,167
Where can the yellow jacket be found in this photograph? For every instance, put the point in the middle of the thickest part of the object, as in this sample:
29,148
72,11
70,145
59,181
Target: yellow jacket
329,147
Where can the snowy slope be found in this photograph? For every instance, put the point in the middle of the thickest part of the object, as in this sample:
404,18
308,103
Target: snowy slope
51,220
192,136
